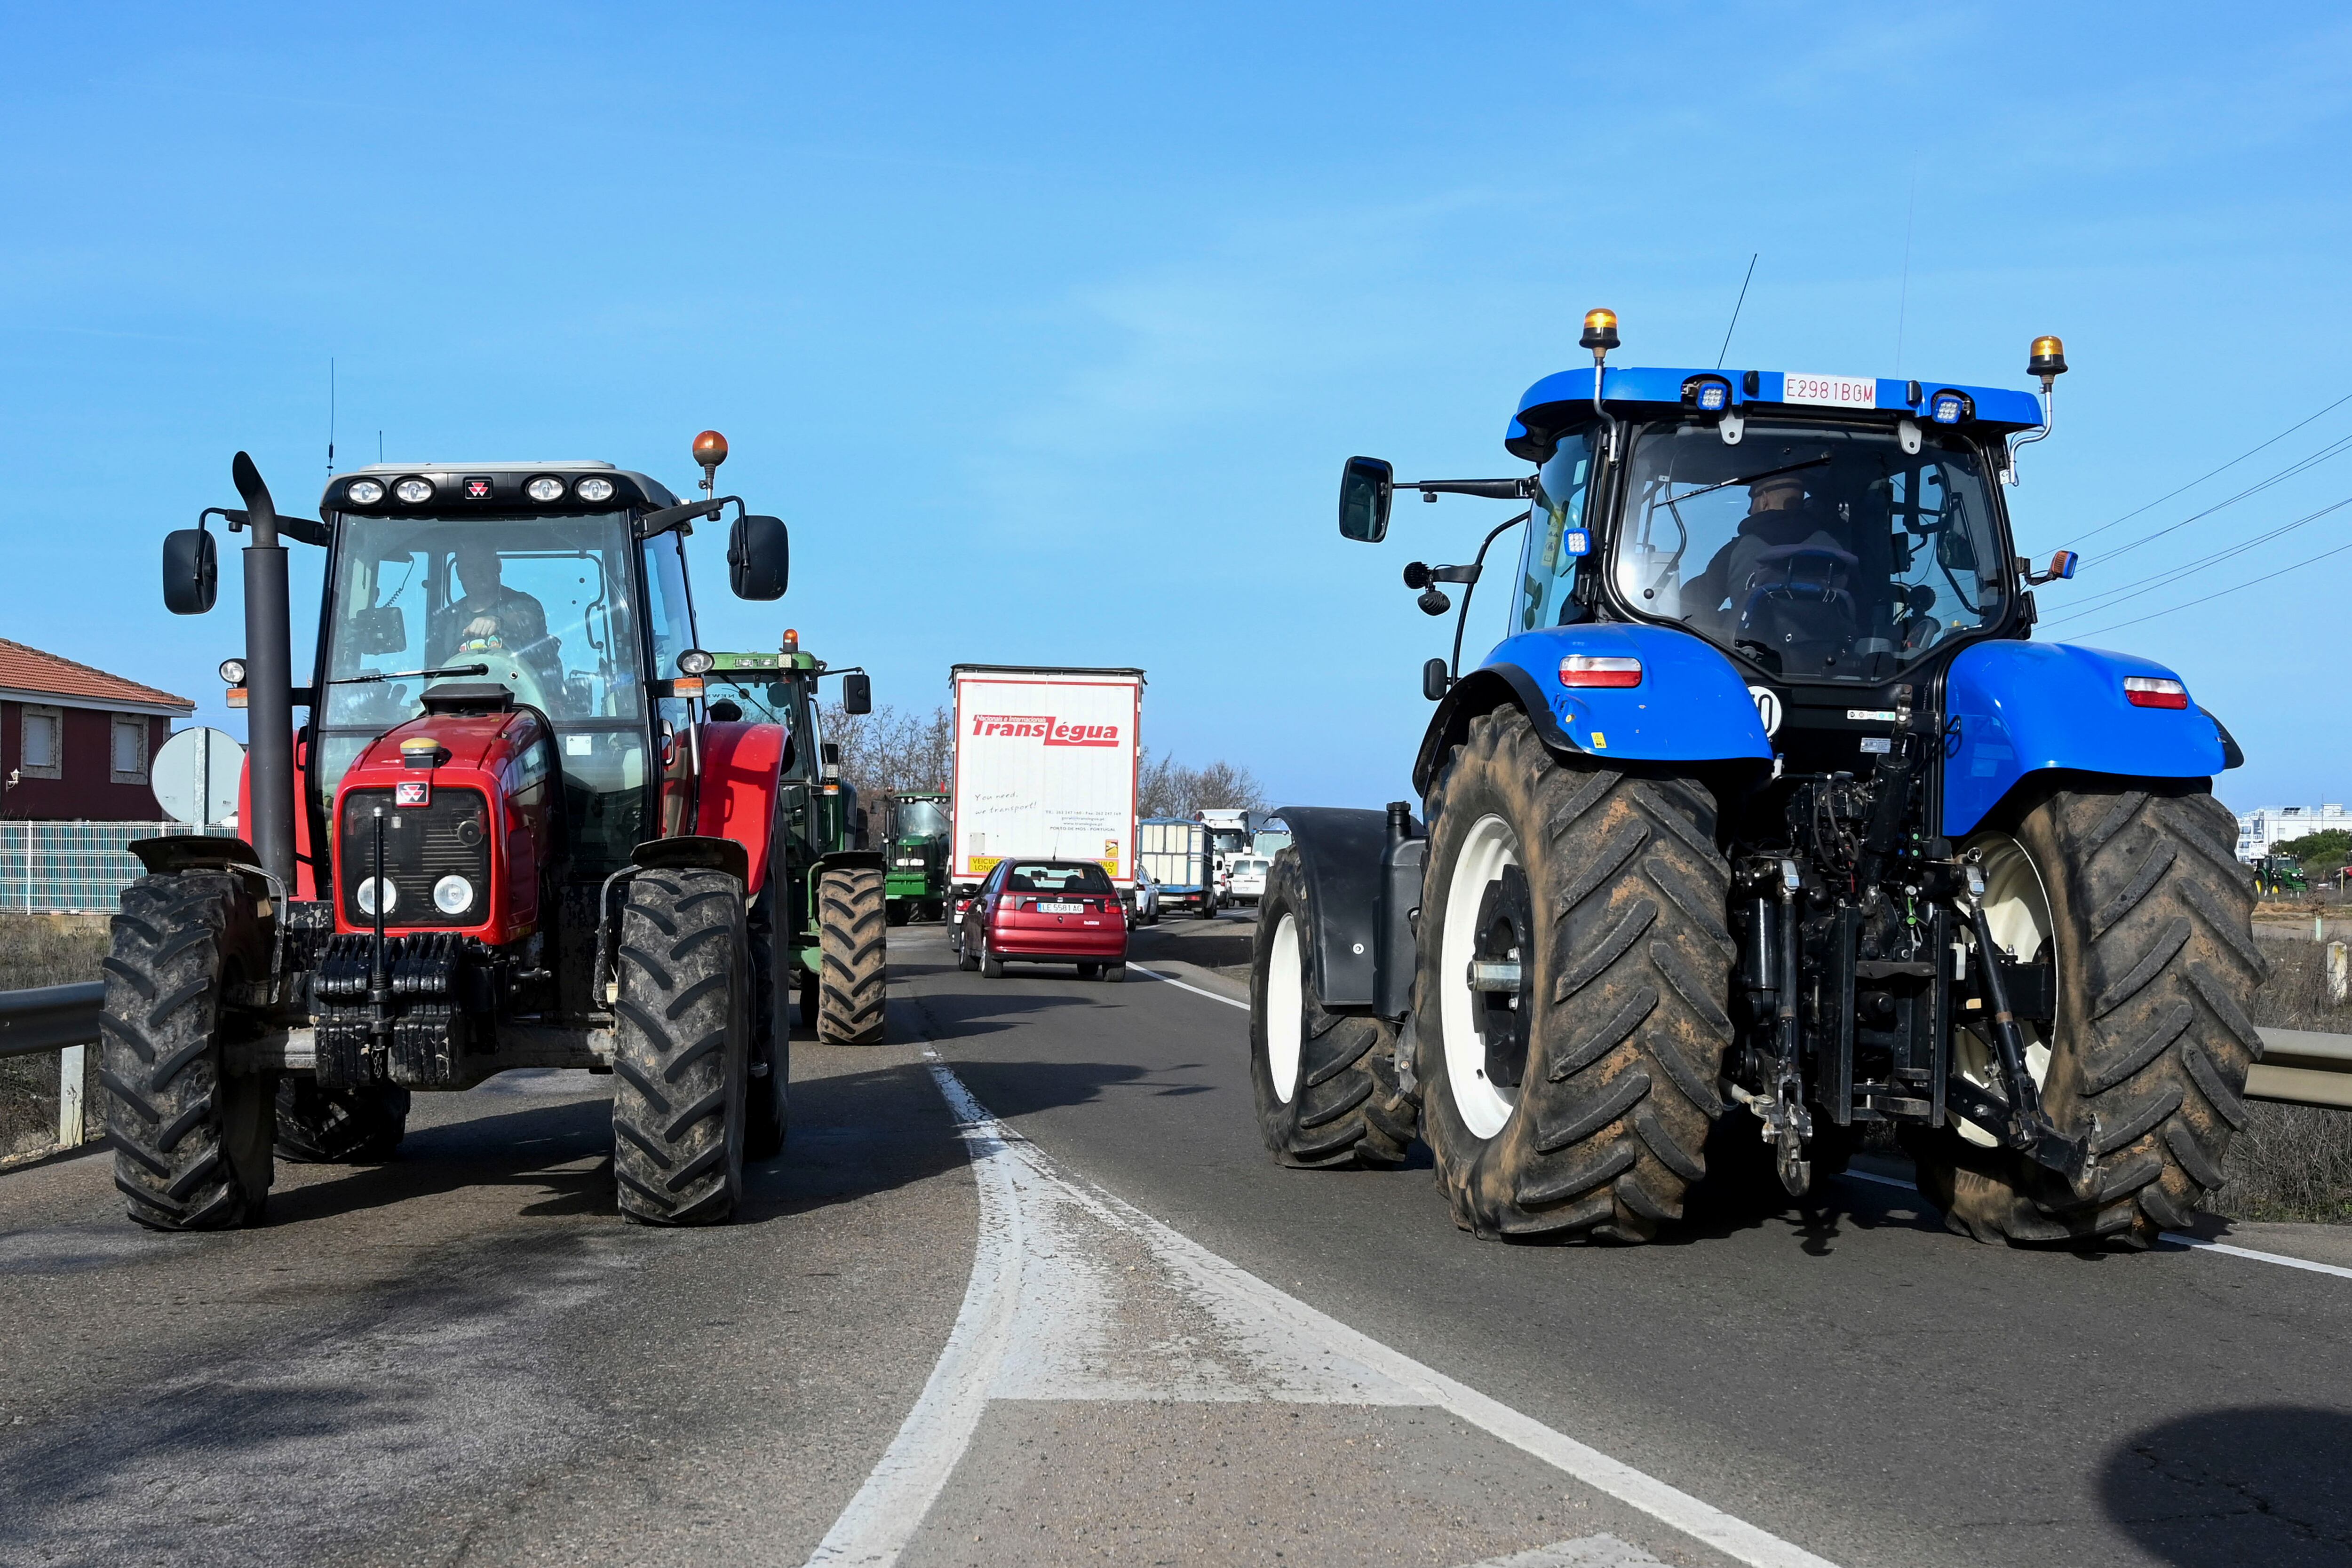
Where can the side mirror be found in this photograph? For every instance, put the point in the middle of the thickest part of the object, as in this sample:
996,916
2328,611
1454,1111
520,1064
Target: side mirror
190,571
1366,487
1434,680
856,692
383,630
759,557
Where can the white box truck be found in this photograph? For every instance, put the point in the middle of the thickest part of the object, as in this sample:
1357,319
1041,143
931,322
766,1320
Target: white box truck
1176,850
1045,764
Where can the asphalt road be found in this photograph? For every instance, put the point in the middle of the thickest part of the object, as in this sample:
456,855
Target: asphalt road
1081,1317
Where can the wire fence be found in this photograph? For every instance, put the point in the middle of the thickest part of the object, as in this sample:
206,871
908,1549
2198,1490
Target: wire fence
67,868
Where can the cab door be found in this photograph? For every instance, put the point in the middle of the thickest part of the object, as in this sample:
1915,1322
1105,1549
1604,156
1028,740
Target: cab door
669,626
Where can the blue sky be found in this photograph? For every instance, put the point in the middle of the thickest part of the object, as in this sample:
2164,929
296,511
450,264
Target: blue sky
1048,329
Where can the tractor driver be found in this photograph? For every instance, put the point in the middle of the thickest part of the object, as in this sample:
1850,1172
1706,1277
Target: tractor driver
493,616
1777,516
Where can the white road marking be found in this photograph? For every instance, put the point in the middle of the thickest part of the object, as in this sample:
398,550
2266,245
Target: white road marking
2174,1237
1032,1287
1584,1552
1172,980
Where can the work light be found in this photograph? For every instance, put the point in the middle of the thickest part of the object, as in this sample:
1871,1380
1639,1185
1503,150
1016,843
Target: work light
544,488
363,492
414,491
595,487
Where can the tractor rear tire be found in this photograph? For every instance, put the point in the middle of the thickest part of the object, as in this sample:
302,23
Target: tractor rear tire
851,932
339,1127
1327,1084
2152,918
192,1140
767,1109
1589,1111
682,1048
896,910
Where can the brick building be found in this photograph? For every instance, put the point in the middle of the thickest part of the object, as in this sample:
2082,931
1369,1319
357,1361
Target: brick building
75,743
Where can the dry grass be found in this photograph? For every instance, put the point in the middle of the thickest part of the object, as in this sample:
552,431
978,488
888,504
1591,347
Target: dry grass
42,950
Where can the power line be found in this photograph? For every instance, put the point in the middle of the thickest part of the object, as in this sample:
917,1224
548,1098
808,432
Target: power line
2100,603
2219,593
2333,449
2232,463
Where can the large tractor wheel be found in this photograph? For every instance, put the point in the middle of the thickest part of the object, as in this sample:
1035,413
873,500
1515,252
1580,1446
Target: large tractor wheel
896,911
767,1095
2140,893
339,1127
682,1047
1573,976
851,931
1327,1084
190,1138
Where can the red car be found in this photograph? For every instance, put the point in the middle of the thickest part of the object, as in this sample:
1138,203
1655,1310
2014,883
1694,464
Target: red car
1043,912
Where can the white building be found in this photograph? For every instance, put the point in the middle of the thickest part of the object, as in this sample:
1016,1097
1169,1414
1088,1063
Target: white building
2265,827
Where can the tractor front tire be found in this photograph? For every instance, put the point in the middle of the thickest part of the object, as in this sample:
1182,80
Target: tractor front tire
853,933
2152,919
192,1140
768,1096
682,1048
339,1127
1580,1103
1327,1084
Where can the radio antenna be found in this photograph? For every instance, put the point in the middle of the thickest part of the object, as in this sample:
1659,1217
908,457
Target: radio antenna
1735,308
331,414
1903,304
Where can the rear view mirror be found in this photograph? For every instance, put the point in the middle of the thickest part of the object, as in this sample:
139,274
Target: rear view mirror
856,692
1365,490
1955,551
190,571
758,558
383,630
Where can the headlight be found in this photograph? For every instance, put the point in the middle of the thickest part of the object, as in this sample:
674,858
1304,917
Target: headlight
363,492
694,661
453,894
365,897
595,487
1948,408
232,672
416,492
544,488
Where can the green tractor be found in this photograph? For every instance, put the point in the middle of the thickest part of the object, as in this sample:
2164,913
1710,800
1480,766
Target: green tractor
2280,876
916,888
834,899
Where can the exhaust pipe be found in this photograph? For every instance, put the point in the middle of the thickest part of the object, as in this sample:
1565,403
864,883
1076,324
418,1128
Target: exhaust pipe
269,680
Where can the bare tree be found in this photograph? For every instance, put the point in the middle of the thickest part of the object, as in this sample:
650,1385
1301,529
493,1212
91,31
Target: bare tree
886,752
1171,789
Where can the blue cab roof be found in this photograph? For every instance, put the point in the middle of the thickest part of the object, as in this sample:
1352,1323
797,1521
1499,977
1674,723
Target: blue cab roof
2000,409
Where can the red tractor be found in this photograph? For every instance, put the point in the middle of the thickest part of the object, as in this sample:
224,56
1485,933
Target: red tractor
510,834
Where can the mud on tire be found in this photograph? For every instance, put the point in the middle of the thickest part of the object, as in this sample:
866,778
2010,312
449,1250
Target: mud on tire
1327,1084
852,930
682,1047
1624,972
192,1140
2151,915
339,1127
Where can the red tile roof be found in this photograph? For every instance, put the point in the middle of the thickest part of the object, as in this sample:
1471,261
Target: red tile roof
23,669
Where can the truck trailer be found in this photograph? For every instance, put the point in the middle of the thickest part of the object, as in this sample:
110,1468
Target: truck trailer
1045,764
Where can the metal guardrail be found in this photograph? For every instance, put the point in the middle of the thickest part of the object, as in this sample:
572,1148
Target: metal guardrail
63,1019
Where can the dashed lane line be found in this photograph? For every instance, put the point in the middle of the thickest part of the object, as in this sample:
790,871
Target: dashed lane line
2174,1237
1293,1347
1181,986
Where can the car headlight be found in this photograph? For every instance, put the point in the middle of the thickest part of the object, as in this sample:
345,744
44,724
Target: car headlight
367,893
416,492
453,894
363,492
544,488
595,487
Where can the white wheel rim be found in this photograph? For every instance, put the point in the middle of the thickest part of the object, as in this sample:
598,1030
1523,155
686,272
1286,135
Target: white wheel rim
2017,912
1285,1009
1484,1105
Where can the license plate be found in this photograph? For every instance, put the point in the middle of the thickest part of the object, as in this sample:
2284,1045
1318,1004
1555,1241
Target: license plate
1061,908
1830,392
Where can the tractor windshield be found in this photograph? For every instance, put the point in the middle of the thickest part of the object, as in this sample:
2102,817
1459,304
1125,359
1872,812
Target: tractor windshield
546,606
922,820
1815,551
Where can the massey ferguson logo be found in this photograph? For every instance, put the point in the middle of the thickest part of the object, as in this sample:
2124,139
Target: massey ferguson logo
1051,731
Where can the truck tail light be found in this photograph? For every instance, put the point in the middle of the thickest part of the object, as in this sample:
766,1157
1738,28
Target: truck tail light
1590,670
2146,691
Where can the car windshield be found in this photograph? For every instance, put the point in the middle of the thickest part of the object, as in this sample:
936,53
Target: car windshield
1816,551
1050,877
543,606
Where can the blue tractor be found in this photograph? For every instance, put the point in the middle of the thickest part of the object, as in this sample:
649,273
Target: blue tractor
1768,821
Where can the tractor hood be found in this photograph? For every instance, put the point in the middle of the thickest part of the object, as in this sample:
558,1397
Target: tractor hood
472,743
1563,401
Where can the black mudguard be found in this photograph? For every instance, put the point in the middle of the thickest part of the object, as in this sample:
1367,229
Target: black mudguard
1361,893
